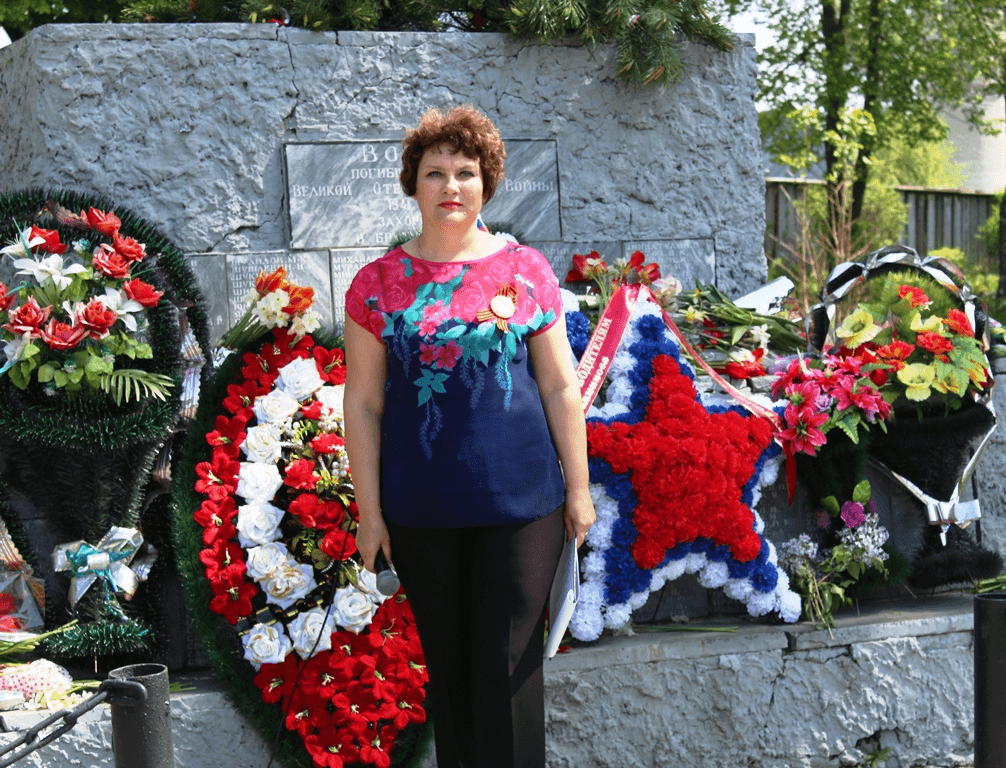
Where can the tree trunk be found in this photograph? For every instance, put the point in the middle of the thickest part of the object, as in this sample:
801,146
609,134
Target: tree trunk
1001,291
871,105
834,18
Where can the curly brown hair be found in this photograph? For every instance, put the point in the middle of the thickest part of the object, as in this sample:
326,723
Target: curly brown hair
465,130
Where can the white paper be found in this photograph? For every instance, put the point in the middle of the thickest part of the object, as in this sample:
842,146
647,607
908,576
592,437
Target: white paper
562,600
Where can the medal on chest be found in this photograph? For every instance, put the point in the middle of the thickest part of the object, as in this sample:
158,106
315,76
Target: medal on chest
502,307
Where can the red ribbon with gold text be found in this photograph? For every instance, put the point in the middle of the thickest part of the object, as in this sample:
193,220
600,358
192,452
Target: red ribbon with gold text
596,362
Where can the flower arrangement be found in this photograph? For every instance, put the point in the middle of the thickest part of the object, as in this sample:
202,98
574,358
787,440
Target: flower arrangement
605,278
277,548
822,576
897,349
653,445
82,312
274,302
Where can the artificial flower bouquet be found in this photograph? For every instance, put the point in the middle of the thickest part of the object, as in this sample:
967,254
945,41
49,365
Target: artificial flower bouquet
78,319
274,302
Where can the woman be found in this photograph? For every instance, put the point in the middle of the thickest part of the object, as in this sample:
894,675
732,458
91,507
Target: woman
467,441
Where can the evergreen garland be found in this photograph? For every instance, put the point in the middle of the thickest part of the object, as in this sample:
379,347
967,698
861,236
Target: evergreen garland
220,642
647,32
84,462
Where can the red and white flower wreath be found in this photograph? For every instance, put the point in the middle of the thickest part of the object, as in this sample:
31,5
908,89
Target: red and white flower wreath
278,518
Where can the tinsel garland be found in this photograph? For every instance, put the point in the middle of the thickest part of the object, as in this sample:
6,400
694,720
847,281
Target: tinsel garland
615,583
221,643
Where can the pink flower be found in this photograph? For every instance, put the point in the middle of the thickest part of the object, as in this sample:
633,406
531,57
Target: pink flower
427,353
803,429
803,393
448,355
852,514
433,316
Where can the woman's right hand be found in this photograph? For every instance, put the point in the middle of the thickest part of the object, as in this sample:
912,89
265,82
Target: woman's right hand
371,536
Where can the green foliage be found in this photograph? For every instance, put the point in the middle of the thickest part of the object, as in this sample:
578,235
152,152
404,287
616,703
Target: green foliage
903,62
928,164
130,383
18,17
984,284
989,231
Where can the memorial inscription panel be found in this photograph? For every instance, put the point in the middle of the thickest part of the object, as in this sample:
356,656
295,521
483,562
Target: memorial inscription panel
347,194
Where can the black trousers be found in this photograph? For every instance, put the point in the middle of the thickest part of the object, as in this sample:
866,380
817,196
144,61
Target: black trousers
479,596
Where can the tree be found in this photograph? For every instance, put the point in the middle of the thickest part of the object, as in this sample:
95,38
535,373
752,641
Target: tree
18,17
900,62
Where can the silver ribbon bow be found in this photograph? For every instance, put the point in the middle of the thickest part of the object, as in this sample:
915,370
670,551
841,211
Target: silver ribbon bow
109,560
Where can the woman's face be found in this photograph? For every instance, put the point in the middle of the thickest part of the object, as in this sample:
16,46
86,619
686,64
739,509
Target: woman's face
448,188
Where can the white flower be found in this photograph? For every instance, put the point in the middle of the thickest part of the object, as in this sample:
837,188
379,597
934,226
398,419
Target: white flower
21,247
305,323
760,335
258,482
124,307
269,309
330,398
300,379
266,559
277,406
289,583
49,270
366,582
266,644
15,347
306,628
262,443
258,523
353,609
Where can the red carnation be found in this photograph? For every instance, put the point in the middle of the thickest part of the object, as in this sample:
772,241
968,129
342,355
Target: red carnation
933,342
27,318
62,337
327,442
110,263
52,242
915,297
128,248
142,292
106,223
959,323
96,319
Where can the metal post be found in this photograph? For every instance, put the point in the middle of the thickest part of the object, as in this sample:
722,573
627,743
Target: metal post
141,730
990,680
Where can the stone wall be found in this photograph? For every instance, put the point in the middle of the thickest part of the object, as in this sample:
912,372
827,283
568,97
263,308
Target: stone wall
186,124
753,696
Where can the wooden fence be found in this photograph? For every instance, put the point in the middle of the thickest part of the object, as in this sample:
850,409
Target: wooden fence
937,218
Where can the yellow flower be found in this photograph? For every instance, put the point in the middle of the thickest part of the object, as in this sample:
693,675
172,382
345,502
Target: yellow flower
694,315
858,328
918,378
932,324
949,382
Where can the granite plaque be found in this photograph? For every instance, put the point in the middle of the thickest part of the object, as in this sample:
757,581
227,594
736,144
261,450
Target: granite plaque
690,261
560,256
345,265
304,268
347,194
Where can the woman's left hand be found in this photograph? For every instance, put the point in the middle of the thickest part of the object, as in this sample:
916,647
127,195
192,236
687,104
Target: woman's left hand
579,514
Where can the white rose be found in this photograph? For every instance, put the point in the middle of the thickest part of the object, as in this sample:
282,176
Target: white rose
331,401
258,482
306,628
258,523
266,644
262,444
289,584
353,609
366,582
263,560
300,379
276,407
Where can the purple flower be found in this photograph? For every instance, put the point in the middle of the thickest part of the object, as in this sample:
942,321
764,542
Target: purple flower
852,514
823,518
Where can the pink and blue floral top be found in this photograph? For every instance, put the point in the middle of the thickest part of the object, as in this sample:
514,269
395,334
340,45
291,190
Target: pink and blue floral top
464,440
